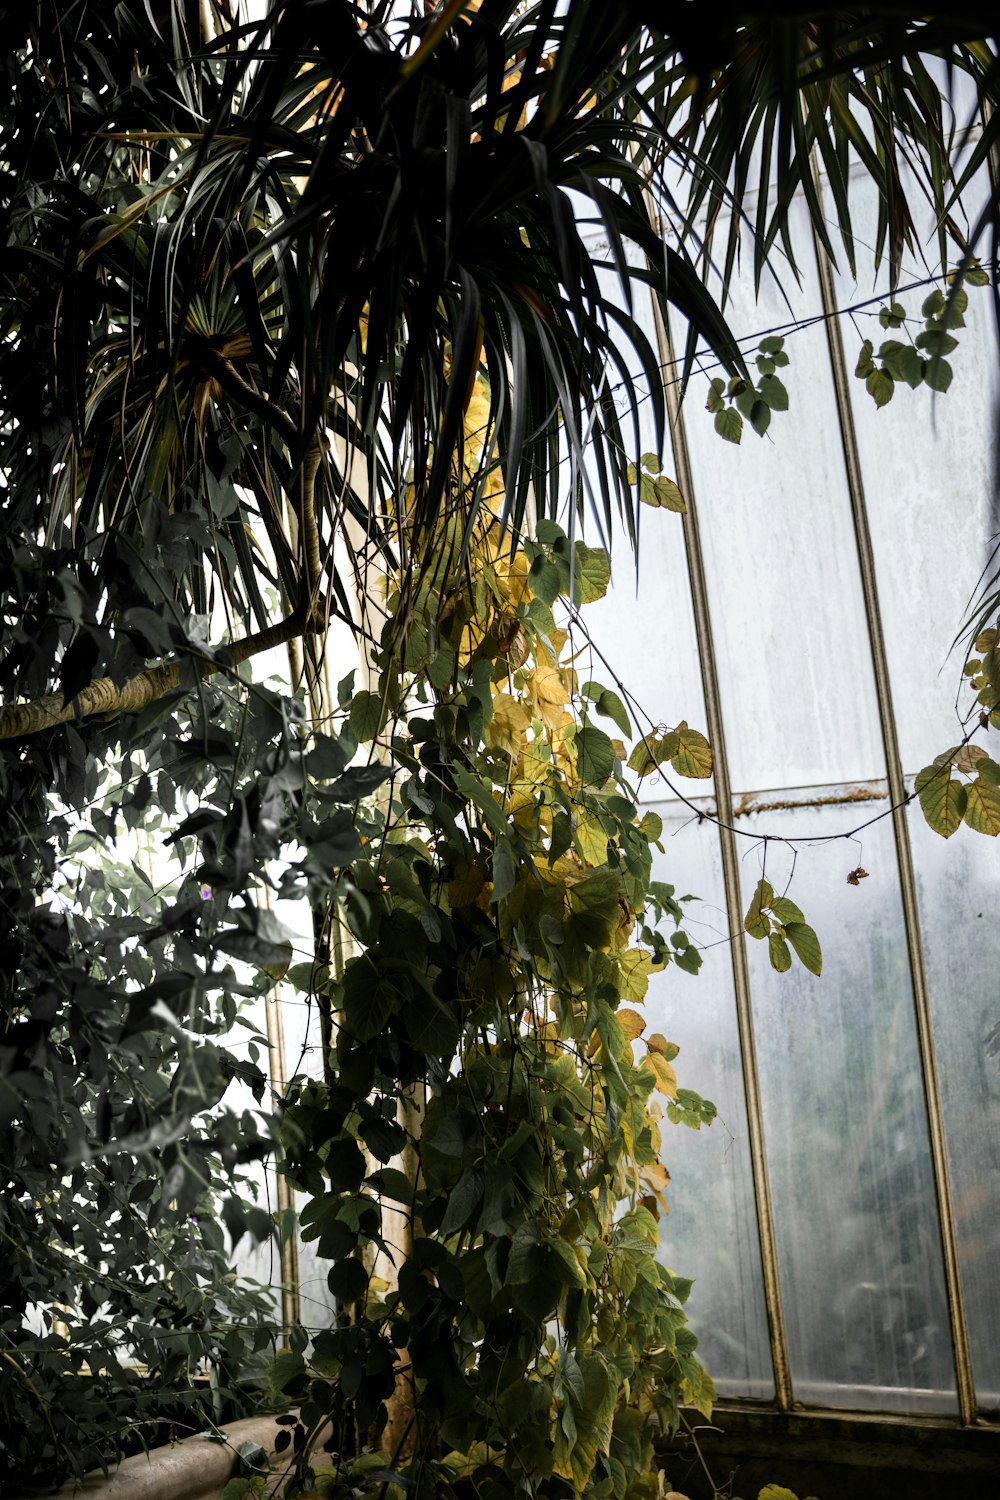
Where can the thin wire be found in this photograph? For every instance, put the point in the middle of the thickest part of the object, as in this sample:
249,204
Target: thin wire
704,816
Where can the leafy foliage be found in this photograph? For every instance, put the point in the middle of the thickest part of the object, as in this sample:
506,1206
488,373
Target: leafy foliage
249,283
502,927
946,799
743,398
780,921
123,1152
917,360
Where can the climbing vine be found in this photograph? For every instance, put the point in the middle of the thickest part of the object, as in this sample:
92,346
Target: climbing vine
491,1075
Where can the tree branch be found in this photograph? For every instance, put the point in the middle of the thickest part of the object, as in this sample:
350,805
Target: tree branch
104,696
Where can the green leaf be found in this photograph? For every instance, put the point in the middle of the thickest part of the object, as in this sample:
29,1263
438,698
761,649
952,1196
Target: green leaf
472,788
370,999
755,922
365,717
390,1182
865,363
591,574
989,771
716,401
595,756
463,1202
729,425
938,374
936,341
568,1265
643,758
594,1420
432,1026
504,869
806,945
665,494
348,1280
893,316
311,978
906,365
651,461
942,799
778,953
346,1165
879,385
611,706
774,393
776,1492
982,811
693,756
358,782
760,417
785,910
651,827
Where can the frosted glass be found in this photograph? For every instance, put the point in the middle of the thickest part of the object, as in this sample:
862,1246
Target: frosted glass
645,631
959,889
845,1131
781,559
711,1231
644,626
928,464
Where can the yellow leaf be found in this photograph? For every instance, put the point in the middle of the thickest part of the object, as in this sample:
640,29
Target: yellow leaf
658,1043
631,1022
655,1177
622,931
535,761
477,415
510,719
591,840
982,811
524,808
557,640
548,691
635,967
666,1078
591,573
642,760
278,967
699,1391
968,757
694,754
466,886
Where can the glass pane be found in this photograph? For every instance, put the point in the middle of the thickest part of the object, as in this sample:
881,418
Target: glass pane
959,889
781,559
644,630
711,1231
846,1135
644,627
928,463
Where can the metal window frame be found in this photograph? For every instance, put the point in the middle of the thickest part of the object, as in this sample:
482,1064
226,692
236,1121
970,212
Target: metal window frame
784,1395
964,1382
777,1335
